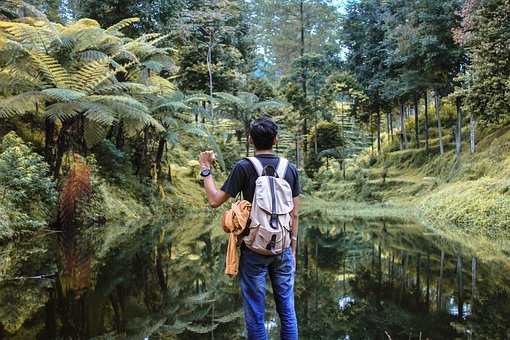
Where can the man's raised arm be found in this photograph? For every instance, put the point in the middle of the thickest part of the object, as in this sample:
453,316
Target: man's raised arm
215,197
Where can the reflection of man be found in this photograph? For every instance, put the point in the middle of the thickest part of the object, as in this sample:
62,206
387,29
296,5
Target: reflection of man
255,267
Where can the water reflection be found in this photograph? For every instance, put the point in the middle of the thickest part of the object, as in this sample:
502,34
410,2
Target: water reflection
164,280
382,281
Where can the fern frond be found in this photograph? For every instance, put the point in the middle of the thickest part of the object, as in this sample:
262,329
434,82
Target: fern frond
127,108
92,75
229,98
94,133
122,24
125,87
18,105
99,113
163,84
51,69
37,36
13,79
62,111
62,95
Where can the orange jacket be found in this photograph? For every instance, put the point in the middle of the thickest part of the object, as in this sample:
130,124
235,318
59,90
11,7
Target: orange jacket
234,221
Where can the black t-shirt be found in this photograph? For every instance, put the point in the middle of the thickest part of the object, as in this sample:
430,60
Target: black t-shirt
243,177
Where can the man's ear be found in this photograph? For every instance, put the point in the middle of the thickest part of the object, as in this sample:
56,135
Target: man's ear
250,141
275,140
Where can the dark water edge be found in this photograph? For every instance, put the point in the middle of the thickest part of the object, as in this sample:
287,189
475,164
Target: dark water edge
356,280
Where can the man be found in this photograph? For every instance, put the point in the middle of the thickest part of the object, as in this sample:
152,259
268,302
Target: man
254,267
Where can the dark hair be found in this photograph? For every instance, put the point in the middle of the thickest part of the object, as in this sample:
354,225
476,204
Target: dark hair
263,131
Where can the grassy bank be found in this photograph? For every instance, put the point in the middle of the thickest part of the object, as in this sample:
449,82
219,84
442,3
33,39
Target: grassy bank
469,197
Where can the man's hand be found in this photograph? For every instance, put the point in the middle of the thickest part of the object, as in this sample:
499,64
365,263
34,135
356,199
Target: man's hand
206,159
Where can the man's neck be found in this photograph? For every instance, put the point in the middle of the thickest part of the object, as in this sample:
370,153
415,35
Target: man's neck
263,152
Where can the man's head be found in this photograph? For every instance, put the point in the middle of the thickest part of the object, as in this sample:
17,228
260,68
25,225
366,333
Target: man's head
263,133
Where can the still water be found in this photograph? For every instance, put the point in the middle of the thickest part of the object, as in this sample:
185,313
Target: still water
358,280
398,281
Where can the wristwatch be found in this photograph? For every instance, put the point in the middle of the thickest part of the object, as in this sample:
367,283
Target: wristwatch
205,172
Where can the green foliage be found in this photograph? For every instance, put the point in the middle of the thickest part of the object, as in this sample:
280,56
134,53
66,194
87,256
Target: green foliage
24,174
324,140
486,87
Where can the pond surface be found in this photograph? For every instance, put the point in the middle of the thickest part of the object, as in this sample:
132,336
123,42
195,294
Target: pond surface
164,280
397,281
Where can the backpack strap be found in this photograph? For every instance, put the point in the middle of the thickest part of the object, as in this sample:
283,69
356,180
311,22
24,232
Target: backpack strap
282,167
256,164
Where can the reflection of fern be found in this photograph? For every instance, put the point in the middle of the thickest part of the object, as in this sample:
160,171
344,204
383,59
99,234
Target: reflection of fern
76,264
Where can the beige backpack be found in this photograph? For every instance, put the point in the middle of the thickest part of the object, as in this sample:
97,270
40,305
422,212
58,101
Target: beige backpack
270,212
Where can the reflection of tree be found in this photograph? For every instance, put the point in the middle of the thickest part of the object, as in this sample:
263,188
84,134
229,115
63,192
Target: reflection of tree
401,280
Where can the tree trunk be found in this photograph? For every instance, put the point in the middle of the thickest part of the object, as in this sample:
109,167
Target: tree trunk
428,283
62,145
458,135
402,127
297,150
437,106
440,283
159,155
49,132
209,69
390,119
472,131
247,134
473,282
378,130
416,120
460,302
303,71
120,136
426,127
418,283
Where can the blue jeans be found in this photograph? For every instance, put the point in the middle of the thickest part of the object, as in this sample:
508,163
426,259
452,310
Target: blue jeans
253,270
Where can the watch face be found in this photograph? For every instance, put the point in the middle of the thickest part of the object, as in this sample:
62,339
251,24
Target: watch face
205,172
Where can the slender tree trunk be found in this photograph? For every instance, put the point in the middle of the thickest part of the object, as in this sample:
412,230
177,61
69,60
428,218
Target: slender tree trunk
418,283
460,302
426,127
209,69
402,127
428,283
458,135
297,150
472,132
247,134
49,131
388,133
390,120
437,105
473,282
440,283
303,71
416,120
378,130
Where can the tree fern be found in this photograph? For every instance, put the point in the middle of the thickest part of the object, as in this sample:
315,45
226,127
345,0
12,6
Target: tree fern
62,95
51,69
122,24
92,74
18,105
62,111
37,36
